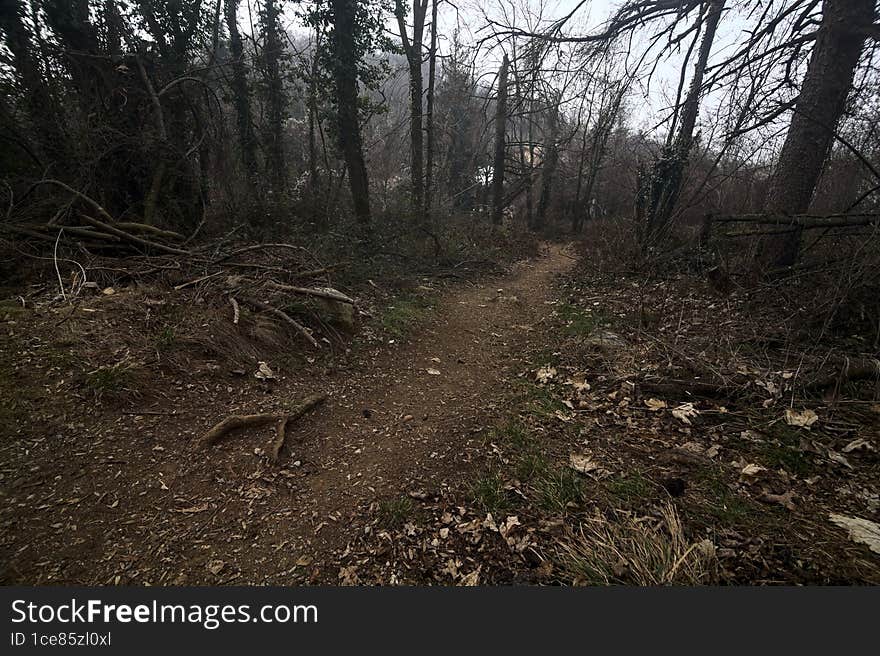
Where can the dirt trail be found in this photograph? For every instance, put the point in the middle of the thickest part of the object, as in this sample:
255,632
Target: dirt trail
144,504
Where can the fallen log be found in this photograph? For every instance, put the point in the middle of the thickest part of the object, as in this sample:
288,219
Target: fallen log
281,419
852,369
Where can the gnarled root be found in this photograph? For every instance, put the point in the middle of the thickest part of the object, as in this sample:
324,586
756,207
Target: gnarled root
281,419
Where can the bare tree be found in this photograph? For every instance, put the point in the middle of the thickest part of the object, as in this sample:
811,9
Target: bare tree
276,99
240,95
665,181
345,56
819,106
412,48
498,162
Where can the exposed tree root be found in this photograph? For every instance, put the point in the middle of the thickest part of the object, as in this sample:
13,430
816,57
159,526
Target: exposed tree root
281,419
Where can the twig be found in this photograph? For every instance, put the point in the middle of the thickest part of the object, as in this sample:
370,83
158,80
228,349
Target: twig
177,288
235,310
58,270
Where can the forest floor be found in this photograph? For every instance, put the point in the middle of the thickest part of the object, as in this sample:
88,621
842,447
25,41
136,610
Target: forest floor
489,432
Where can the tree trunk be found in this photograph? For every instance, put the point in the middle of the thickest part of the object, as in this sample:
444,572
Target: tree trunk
240,96
500,133
819,106
275,101
551,158
314,127
40,105
412,48
668,171
345,75
429,119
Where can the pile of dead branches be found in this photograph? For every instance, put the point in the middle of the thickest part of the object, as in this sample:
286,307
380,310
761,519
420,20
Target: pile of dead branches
265,277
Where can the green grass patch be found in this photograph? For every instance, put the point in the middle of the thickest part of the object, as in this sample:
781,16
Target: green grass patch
166,339
581,322
514,435
536,399
559,489
406,313
109,382
631,488
12,309
784,450
394,513
722,503
530,466
792,459
489,493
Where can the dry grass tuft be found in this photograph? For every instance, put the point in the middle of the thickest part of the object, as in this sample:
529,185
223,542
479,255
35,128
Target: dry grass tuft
636,551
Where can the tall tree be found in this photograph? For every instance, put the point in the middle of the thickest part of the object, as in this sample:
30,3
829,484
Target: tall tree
500,144
667,175
345,55
429,107
548,167
276,100
240,95
820,104
37,99
412,49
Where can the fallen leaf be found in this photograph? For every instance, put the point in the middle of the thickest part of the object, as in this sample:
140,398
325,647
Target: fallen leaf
800,418
685,412
545,374
580,386
752,470
858,444
264,372
786,500
655,404
216,566
581,463
860,530
473,578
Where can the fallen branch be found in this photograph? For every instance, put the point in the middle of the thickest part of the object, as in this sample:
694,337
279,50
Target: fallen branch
153,230
329,294
284,316
851,370
281,419
258,247
804,221
106,227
